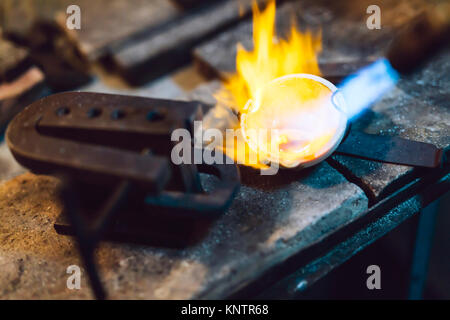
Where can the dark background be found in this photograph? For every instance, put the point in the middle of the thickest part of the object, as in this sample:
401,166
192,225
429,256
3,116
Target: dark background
393,253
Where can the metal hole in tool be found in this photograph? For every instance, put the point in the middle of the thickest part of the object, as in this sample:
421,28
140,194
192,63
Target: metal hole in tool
154,116
94,112
117,114
63,111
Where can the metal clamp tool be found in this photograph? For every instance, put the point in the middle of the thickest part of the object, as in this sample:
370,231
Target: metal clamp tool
111,150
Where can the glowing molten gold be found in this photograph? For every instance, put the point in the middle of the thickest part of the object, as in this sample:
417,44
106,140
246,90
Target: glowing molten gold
299,116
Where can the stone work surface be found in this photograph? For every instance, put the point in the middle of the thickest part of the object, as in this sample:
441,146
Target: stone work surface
417,109
271,218
33,258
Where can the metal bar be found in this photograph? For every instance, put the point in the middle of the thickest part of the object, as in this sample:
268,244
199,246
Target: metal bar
391,149
84,239
422,248
109,209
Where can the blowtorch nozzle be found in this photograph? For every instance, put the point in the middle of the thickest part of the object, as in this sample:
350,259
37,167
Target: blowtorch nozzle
414,45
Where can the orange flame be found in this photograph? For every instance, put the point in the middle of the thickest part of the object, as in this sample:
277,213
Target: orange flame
271,57
279,106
